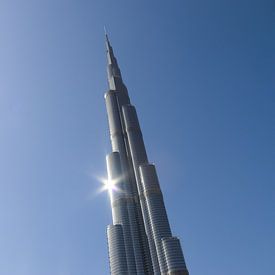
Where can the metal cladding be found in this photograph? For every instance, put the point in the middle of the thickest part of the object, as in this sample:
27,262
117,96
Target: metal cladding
117,252
156,209
140,240
174,256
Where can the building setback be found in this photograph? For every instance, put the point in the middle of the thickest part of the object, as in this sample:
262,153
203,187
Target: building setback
140,239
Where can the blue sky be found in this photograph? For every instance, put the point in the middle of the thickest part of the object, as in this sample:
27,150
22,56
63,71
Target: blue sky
201,74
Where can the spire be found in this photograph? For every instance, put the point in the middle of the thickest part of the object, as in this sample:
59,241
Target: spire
108,46
114,74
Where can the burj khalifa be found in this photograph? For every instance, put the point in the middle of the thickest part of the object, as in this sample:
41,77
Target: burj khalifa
140,240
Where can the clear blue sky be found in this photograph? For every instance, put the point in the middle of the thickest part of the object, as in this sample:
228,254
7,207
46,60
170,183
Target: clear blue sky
201,74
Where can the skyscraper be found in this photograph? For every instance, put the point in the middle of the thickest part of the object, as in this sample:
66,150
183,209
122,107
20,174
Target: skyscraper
140,239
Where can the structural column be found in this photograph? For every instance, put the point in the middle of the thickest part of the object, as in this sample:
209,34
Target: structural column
138,156
119,202
117,254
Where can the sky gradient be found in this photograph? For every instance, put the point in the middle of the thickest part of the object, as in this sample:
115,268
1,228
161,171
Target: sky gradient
201,75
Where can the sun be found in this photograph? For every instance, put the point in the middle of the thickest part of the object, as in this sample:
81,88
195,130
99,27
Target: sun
107,185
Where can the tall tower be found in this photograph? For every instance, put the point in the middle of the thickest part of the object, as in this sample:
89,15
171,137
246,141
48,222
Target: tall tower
139,240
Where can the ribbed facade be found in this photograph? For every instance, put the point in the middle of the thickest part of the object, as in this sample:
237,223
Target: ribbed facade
140,240
117,252
174,256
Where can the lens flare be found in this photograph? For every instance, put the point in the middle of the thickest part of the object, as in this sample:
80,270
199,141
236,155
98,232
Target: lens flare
108,184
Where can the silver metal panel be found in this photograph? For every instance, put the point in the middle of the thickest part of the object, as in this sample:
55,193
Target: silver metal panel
117,253
156,209
138,157
120,143
119,206
174,256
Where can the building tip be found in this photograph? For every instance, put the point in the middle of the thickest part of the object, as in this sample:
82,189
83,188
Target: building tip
105,32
